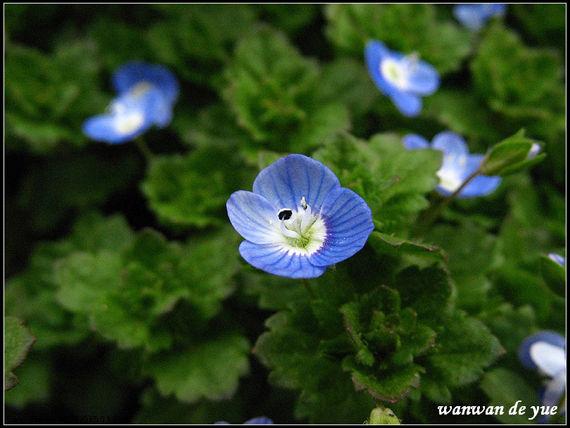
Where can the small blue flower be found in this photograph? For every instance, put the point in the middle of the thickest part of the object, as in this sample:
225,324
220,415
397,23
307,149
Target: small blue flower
546,352
298,220
261,420
405,79
475,16
146,95
458,164
557,259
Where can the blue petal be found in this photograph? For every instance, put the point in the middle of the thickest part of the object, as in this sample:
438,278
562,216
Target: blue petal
550,337
278,261
262,420
253,217
482,185
286,181
133,73
470,16
349,223
374,53
450,144
557,259
554,391
409,104
424,79
414,142
102,128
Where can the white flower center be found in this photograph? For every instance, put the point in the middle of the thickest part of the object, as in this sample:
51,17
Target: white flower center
128,115
129,122
302,231
397,72
451,173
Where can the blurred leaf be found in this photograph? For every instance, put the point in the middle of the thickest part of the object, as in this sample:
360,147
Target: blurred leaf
554,275
34,383
207,370
504,388
49,96
403,27
510,155
192,190
18,341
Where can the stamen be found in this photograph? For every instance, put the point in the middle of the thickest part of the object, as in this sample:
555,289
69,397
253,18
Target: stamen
304,203
289,233
284,214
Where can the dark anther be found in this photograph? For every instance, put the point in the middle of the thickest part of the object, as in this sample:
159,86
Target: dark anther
285,214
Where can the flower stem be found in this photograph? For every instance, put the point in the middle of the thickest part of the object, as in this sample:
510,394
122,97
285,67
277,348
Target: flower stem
143,148
434,214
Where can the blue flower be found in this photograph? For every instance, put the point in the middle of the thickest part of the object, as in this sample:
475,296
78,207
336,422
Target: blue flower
298,220
458,164
261,420
405,79
146,95
546,352
474,16
557,259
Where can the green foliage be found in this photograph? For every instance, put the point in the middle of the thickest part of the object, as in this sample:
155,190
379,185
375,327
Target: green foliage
272,90
49,96
18,341
192,190
393,180
403,27
386,340
382,416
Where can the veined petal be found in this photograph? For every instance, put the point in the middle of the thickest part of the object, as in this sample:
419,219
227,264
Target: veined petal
275,259
450,144
293,177
133,73
348,221
414,142
423,79
253,217
549,337
548,358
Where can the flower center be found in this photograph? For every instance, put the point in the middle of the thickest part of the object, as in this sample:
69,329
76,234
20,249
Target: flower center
302,230
450,174
397,71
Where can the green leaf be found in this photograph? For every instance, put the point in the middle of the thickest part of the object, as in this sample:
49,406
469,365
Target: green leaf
465,348
192,190
504,388
273,93
554,275
50,95
519,82
18,341
403,27
392,180
509,156
34,382
210,369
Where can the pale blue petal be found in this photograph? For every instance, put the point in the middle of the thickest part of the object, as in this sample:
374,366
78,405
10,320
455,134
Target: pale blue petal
262,420
450,143
102,128
287,180
414,142
278,261
409,104
132,73
374,53
253,217
469,16
557,259
549,337
554,390
348,220
481,185
424,79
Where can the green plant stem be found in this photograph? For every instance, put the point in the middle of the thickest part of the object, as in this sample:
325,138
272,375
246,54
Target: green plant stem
143,148
434,214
